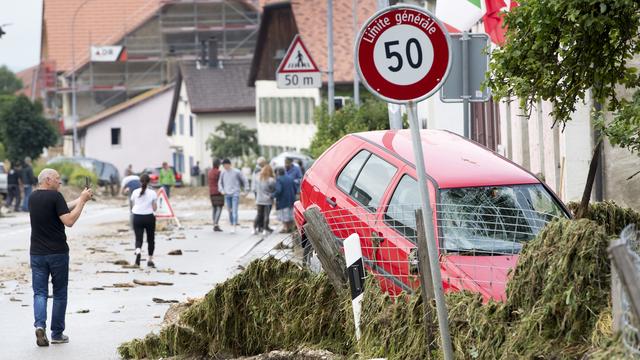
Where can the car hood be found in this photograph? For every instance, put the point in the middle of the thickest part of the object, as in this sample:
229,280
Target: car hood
486,275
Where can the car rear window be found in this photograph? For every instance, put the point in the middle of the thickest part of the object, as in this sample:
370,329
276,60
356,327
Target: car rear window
373,180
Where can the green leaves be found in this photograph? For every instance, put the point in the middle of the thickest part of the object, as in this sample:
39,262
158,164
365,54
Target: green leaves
232,141
558,50
23,129
372,115
9,83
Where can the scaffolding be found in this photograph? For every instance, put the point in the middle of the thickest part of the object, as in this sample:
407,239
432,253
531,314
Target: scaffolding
176,32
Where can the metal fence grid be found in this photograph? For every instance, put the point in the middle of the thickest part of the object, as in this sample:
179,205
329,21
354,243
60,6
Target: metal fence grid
630,325
478,244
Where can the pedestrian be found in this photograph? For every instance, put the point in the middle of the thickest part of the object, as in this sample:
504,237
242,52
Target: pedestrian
230,184
13,187
285,195
167,178
293,171
195,174
128,171
49,252
144,204
266,186
127,185
217,199
255,175
300,165
28,181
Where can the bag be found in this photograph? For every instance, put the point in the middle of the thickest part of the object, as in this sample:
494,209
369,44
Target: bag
217,200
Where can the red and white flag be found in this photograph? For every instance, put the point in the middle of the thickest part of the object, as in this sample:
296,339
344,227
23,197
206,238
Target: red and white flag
461,15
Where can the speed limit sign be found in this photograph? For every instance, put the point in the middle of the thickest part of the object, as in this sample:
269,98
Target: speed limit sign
403,54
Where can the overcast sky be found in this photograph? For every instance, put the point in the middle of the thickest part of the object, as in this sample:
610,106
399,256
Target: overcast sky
20,46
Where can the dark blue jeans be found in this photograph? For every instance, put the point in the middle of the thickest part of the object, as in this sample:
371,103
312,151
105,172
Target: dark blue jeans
57,266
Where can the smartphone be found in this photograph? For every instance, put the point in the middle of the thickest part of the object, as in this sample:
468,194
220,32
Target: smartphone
87,182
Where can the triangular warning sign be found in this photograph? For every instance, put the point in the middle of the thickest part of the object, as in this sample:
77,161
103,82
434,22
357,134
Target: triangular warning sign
297,59
164,209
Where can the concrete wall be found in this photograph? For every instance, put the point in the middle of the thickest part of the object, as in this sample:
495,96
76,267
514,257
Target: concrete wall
143,135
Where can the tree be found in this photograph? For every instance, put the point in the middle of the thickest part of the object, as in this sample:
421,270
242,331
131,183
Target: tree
233,141
558,50
372,115
9,83
24,130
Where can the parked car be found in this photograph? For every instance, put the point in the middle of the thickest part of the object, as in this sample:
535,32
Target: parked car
485,207
4,186
154,175
108,175
278,161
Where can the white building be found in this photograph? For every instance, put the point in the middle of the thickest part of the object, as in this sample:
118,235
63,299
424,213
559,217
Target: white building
203,99
132,132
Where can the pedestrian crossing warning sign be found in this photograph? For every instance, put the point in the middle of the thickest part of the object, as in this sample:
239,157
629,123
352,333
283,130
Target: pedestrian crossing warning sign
297,59
164,209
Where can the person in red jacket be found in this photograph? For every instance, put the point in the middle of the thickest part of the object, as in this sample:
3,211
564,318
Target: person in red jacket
217,199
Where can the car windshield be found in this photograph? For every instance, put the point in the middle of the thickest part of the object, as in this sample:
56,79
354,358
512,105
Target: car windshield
493,220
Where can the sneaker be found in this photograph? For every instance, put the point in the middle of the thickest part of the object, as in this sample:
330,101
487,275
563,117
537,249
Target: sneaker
255,232
62,340
138,256
264,232
217,228
151,264
41,337
233,229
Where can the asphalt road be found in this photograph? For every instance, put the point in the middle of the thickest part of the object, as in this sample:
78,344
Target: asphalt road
115,315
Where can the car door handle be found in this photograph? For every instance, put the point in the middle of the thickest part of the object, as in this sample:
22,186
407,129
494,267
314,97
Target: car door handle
331,201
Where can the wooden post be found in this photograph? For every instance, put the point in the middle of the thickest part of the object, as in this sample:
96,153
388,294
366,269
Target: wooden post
428,295
326,246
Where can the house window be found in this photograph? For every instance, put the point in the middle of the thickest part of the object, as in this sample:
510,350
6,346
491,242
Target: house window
305,110
263,112
297,110
115,137
181,124
272,109
191,125
311,107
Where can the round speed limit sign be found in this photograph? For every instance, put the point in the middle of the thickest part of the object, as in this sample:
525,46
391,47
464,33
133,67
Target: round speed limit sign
403,54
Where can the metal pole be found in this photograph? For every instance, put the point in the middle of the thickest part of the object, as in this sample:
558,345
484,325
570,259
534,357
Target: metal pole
356,80
427,218
330,84
74,109
465,84
395,115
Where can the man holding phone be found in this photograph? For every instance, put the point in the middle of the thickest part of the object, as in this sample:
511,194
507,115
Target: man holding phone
50,213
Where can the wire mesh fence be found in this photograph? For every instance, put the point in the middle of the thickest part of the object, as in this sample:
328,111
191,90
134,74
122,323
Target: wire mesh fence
630,236
478,243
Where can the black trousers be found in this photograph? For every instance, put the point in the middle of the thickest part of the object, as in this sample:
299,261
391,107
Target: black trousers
142,223
261,221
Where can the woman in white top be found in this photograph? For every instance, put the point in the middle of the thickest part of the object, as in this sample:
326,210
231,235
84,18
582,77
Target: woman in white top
144,204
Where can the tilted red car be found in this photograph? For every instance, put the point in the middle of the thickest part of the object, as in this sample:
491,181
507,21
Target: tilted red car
485,207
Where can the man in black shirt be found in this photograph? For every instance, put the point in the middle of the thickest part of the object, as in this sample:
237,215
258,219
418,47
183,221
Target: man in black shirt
13,187
49,252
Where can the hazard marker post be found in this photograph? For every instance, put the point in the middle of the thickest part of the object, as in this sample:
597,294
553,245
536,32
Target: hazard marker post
164,209
297,69
403,55
355,272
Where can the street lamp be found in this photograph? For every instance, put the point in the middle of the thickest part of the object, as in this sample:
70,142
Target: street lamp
74,110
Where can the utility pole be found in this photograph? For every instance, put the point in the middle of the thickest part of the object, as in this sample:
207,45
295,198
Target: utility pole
330,85
356,80
395,115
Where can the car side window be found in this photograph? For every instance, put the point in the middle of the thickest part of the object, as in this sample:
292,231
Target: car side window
348,175
400,214
373,180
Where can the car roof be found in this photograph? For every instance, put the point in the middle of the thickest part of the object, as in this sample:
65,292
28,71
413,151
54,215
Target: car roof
451,160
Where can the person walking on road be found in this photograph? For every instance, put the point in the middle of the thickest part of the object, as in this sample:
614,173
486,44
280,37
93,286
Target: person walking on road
255,177
294,172
13,187
265,187
167,178
128,171
144,205
28,180
230,184
285,195
49,252
217,199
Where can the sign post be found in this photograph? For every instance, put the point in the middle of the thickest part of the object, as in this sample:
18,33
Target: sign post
297,69
164,210
403,55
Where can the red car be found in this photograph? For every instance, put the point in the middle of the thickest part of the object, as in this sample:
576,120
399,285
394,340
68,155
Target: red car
485,207
154,175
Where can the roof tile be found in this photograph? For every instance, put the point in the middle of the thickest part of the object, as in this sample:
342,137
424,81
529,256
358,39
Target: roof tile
218,90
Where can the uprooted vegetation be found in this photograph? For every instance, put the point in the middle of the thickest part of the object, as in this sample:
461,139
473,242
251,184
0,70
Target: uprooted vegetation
557,307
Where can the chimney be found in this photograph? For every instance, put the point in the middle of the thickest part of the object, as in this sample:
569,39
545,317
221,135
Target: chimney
213,52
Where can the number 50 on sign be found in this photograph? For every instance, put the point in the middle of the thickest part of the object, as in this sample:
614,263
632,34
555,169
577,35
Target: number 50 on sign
402,54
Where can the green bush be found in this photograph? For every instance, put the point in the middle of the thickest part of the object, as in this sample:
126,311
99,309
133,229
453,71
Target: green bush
79,175
70,173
